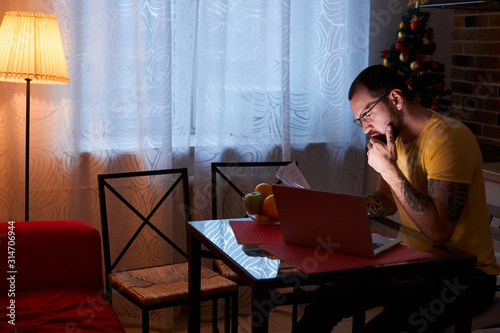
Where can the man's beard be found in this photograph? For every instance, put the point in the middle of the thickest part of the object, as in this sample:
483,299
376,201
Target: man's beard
383,138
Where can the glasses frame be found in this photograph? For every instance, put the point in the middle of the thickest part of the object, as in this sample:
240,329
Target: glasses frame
359,121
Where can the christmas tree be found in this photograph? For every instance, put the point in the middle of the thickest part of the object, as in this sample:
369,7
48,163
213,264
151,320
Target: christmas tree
412,56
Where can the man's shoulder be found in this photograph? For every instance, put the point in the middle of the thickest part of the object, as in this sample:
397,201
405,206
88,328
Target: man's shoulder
446,126
451,150
447,122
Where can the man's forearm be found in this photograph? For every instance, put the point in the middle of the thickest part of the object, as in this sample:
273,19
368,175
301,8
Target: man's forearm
418,206
421,208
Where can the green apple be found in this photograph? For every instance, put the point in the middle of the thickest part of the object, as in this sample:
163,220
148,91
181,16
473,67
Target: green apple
253,202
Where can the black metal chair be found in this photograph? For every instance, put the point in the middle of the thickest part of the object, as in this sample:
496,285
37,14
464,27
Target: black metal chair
162,283
223,171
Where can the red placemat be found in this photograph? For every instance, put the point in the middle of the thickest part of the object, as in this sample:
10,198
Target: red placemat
250,232
310,260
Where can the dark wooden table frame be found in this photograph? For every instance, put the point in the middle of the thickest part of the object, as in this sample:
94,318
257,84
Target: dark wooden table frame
264,297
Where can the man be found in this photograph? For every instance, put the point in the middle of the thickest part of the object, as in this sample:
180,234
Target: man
430,170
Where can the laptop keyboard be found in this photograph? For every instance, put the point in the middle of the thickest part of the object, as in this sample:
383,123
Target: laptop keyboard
377,245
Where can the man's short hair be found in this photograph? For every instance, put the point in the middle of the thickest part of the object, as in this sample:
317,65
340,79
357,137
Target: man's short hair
379,80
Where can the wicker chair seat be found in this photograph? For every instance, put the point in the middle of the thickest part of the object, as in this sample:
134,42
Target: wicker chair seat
225,271
167,283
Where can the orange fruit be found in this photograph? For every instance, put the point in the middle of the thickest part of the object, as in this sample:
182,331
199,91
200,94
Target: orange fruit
264,188
263,219
269,206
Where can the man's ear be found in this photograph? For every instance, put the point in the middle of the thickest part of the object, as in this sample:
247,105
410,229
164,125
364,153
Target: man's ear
396,97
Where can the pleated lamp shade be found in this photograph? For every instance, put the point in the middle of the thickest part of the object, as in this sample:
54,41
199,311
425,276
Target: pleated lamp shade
31,48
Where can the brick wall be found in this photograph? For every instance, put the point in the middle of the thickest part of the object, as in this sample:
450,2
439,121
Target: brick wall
475,77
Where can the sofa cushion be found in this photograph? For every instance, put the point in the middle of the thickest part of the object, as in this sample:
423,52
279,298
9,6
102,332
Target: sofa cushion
52,254
59,310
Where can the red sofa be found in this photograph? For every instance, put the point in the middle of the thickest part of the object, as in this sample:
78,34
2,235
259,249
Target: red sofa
52,279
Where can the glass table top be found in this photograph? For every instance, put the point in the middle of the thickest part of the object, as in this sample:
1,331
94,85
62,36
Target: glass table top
261,265
250,257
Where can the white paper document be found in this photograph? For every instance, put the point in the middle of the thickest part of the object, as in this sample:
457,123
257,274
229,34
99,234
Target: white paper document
291,176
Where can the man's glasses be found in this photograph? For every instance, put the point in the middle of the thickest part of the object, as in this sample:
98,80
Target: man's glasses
366,116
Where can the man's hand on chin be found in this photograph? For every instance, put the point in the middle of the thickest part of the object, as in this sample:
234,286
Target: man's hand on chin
381,155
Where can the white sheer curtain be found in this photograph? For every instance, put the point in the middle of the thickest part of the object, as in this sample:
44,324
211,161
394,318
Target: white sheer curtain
261,80
270,83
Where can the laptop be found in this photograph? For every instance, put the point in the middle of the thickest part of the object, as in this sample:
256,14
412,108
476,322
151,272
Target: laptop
327,220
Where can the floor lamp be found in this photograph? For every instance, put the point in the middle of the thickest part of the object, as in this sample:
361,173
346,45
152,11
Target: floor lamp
31,51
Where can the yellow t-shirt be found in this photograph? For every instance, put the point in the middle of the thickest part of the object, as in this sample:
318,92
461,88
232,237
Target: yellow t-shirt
447,150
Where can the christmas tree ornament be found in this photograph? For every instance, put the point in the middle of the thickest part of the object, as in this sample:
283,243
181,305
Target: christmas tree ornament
415,65
400,46
403,57
409,84
439,87
434,64
415,23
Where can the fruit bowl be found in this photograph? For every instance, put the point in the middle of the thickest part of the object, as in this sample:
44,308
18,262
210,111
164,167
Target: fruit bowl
255,212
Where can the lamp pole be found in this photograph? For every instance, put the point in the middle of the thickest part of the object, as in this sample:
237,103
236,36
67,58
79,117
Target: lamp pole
27,156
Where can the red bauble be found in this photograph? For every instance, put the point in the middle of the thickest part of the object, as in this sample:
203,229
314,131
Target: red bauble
400,46
439,87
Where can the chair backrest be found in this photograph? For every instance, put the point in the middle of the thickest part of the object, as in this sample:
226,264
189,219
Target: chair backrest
239,179
494,213
156,200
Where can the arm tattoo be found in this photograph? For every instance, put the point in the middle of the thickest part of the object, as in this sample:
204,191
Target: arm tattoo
415,200
455,193
377,204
